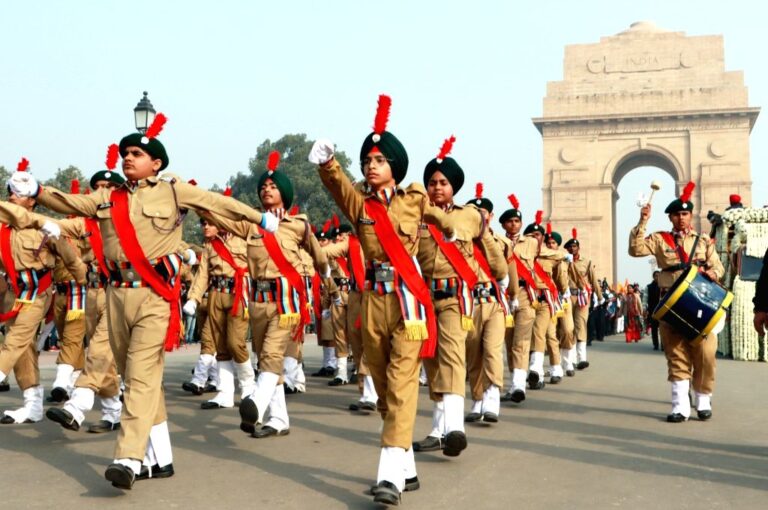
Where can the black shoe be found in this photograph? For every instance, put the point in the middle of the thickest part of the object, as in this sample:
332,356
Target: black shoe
570,373
533,378
267,431
490,417
249,415
411,484
353,379
210,404
63,418
324,372
705,414
5,386
362,406
288,390
676,418
103,426
121,476
538,386
192,388
157,472
582,365
210,388
428,444
473,418
507,397
386,493
58,395
555,379
455,443
517,396
337,381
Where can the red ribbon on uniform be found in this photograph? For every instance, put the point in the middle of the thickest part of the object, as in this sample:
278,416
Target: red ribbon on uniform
240,272
97,245
454,256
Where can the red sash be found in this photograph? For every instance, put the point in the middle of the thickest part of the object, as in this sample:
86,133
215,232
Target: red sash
406,268
454,256
10,270
524,273
544,277
97,245
342,262
240,272
356,259
317,305
291,274
129,242
670,240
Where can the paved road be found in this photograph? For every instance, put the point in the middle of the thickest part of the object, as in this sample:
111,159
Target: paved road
596,441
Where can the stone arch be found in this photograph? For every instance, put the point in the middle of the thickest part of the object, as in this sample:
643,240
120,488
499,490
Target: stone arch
651,155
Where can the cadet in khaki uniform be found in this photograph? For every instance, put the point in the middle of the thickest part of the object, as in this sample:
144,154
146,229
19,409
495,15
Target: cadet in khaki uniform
674,250
223,275
493,321
99,377
325,337
341,273
563,332
350,249
140,223
583,282
27,256
387,218
279,304
456,279
559,275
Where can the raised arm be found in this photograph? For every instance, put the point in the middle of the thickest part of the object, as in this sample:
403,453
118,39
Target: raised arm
67,203
239,228
491,250
319,259
592,279
74,228
19,217
336,250
193,197
639,245
349,200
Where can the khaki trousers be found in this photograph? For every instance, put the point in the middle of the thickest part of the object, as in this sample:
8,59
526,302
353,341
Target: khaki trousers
580,315
484,349
565,329
521,342
553,344
541,324
355,336
509,342
100,371
138,321
19,351
339,320
228,332
393,362
71,334
295,350
447,372
203,330
689,360
269,340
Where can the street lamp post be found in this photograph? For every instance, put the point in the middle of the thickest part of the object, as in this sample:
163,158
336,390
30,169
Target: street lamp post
144,114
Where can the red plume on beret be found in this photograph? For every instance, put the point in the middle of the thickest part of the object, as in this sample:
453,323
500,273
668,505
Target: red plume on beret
74,187
479,190
539,216
574,233
335,219
685,196
157,126
326,226
382,114
513,200
23,165
294,210
446,149
113,151
192,182
273,160
549,228
314,229
227,192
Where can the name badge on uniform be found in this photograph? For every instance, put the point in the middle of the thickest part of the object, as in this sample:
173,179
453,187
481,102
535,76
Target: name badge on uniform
366,221
105,205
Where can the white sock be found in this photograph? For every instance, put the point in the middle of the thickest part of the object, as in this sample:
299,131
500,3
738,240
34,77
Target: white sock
289,371
111,408
392,466
491,402
423,375
246,378
438,420
262,393
226,395
32,409
680,402
369,390
160,440
80,403
566,360
410,465
72,380
703,401
301,378
581,351
278,411
518,379
454,412
329,357
200,375
477,407
133,464
537,363
341,369
63,373
556,370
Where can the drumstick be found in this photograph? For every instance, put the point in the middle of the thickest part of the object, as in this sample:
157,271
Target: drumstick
655,186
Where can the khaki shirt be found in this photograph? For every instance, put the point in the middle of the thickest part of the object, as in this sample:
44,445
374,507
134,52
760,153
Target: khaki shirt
528,251
409,208
213,265
154,210
666,256
582,273
469,225
507,249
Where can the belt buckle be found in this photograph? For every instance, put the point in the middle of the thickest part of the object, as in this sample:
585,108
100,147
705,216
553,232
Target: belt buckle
263,285
484,293
384,274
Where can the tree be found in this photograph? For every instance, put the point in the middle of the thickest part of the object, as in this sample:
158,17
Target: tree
62,181
309,193
4,176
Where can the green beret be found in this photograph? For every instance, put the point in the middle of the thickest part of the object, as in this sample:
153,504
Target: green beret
153,147
572,242
391,148
534,227
678,205
345,228
556,236
283,183
482,203
449,168
106,175
509,214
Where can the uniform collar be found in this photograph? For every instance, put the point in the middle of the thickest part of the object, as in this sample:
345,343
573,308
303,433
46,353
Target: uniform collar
281,213
134,185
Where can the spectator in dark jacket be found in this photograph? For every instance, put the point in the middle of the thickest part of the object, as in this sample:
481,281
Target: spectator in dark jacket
761,299
653,301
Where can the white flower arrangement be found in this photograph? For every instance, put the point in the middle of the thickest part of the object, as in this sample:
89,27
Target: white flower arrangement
745,344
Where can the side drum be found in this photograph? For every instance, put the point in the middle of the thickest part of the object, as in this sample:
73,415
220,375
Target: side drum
693,305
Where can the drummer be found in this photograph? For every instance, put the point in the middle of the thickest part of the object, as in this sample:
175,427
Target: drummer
686,359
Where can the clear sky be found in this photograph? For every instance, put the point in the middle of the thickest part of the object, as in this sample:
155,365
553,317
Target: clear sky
230,74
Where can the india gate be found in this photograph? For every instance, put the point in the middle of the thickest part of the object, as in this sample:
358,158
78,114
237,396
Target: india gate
644,97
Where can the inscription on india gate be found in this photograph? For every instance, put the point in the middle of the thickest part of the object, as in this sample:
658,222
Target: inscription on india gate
644,97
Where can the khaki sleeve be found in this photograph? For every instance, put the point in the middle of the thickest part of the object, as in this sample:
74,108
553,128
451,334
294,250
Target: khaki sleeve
71,259
74,228
434,215
349,200
514,278
193,197
336,250
200,282
713,260
19,217
320,260
561,276
550,254
238,228
494,255
66,203
592,279
639,245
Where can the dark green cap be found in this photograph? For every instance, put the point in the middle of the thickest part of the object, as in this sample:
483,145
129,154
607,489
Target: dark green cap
151,146
106,175
450,168
391,148
283,183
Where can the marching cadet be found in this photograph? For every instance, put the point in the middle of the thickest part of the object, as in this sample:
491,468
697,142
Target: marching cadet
511,222
558,272
350,250
223,275
69,318
99,377
397,311
675,251
325,337
140,223
584,285
453,272
493,318
279,304
28,252
341,274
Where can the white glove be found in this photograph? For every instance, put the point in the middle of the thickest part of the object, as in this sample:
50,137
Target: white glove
322,152
567,294
327,272
601,302
326,315
337,301
190,307
23,184
269,222
514,305
503,284
51,230
191,257
569,257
